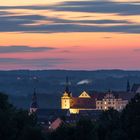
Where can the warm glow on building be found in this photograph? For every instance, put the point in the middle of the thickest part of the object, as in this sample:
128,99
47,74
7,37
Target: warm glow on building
86,102
110,101
65,101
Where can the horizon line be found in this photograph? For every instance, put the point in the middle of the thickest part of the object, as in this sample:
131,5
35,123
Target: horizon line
69,70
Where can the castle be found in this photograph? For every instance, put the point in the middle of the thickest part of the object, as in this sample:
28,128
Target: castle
89,104
95,101
92,101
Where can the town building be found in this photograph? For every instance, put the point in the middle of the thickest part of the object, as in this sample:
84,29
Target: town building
111,100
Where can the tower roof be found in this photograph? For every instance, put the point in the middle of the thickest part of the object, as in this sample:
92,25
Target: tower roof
128,86
67,90
34,103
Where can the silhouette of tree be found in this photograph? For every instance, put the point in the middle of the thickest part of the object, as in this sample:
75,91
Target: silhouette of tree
16,124
130,119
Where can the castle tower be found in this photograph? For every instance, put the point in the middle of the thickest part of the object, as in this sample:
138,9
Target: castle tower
67,86
66,98
34,104
128,86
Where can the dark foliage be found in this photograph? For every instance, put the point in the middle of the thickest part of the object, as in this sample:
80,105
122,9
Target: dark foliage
17,124
131,119
83,130
112,125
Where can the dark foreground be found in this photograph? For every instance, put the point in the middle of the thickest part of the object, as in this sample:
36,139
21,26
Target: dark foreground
16,124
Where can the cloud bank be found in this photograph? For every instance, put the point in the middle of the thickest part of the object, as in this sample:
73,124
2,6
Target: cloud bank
30,23
23,49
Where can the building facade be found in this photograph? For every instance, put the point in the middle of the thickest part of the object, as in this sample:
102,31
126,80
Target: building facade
75,104
111,100
95,101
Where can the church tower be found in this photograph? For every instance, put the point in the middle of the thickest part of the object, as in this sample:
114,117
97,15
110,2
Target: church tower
66,98
128,86
34,104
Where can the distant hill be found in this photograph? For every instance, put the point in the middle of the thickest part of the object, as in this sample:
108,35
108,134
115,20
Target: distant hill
19,84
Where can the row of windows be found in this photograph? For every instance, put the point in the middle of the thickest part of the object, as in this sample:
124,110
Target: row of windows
99,107
106,102
106,107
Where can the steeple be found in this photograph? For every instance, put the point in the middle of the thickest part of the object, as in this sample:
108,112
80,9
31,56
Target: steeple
66,98
67,85
34,104
128,86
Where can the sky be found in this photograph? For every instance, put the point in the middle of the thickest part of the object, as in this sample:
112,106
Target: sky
69,34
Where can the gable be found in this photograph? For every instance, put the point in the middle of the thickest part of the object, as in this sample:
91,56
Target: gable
84,95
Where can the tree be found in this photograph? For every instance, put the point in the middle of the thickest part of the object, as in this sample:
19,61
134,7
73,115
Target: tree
4,104
7,131
64,132
130,119
108,122
85,130
16,124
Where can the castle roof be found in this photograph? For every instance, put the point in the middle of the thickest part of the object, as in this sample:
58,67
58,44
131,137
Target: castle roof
83,103
124,95
117,94
67,90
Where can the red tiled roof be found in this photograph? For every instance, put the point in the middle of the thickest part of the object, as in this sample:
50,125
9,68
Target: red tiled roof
90,103
83,103
117,94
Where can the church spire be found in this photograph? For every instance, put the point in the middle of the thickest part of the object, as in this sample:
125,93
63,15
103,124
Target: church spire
67,90
34,98
67,85
34,104
128,86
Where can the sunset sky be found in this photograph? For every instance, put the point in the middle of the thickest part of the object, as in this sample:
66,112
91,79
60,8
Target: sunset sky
70,34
